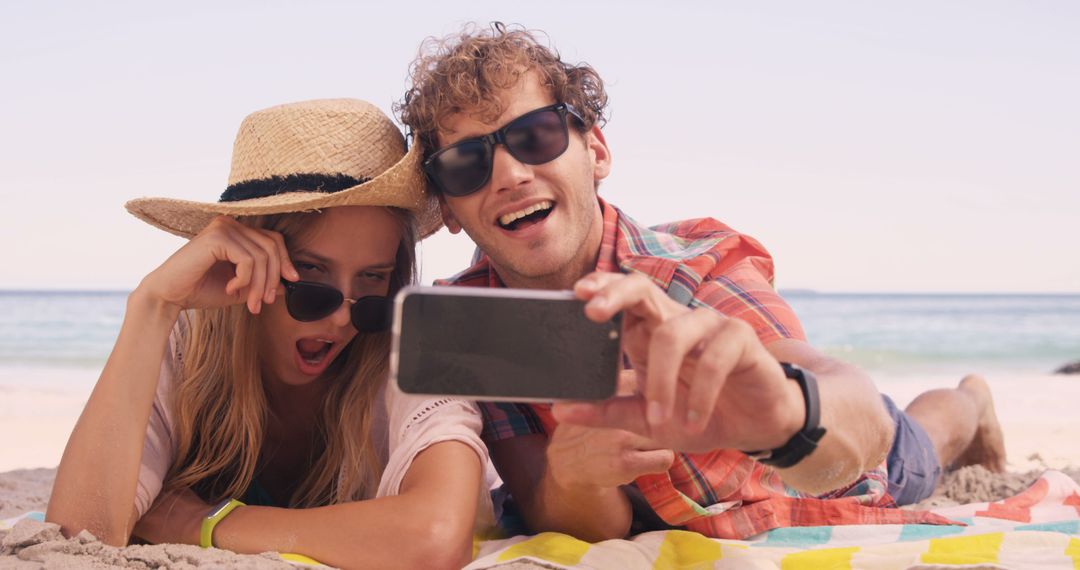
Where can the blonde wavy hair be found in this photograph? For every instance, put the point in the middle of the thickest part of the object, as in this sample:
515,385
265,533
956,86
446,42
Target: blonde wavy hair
466,72
220,406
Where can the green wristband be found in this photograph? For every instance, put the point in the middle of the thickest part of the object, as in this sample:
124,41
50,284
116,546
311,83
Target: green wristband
206,535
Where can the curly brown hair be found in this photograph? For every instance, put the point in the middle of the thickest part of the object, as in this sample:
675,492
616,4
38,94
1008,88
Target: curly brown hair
465,72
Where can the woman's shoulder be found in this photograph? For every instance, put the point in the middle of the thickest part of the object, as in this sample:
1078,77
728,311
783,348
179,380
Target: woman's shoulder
418,422
407,411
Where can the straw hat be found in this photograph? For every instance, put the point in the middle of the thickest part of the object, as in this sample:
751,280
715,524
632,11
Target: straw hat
308,156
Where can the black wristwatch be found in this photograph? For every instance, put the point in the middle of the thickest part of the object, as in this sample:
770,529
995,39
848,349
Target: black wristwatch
805,441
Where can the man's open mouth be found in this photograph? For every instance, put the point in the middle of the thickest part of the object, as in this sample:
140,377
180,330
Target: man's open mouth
313,350
527,216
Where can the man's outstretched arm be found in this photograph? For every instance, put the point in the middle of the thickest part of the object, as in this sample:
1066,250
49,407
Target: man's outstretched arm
709,383
860,430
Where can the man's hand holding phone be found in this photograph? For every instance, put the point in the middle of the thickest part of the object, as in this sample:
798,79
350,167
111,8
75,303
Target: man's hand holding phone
706,381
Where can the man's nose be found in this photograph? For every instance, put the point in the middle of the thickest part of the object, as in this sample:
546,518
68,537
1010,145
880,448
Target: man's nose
508,172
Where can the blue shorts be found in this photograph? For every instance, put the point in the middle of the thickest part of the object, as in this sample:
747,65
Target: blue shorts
914,469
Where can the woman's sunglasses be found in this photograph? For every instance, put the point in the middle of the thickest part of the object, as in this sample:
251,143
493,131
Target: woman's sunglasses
308,301
534,138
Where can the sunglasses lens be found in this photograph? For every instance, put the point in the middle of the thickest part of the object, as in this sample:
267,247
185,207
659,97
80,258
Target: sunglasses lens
537,137
463,168
371,314
311,301
534,138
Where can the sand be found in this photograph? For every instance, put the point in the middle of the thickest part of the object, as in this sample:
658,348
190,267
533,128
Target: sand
1037,413
32,544
40,545
41,404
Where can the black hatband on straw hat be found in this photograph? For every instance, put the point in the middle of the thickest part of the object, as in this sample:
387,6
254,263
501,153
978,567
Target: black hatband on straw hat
274,185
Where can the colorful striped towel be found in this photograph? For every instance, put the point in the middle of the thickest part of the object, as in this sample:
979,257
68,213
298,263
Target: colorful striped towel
8,524
1039,528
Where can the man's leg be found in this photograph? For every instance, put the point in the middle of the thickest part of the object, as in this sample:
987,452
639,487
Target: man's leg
942,429
962,424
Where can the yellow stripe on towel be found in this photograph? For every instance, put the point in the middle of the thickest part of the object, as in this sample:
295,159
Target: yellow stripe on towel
975,549
1073,551
550,547
687,550
832,558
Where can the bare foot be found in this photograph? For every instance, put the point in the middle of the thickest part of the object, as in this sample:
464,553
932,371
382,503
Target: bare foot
988,446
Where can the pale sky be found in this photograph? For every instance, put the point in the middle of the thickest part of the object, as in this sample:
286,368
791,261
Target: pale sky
917,146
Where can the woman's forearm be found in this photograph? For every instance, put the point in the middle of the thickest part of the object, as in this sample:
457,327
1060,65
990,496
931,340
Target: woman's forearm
429,525
95,483
387,532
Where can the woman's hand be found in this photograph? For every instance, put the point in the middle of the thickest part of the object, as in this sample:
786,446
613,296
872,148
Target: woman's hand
225,264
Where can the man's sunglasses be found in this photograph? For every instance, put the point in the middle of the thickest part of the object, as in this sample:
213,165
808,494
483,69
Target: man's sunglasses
308,301
534,138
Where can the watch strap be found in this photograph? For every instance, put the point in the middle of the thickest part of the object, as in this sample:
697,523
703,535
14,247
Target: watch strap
206,533
805,441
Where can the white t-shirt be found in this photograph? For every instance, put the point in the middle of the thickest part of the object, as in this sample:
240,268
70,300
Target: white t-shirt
404,425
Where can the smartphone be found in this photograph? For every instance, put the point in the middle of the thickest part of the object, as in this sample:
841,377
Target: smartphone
515,345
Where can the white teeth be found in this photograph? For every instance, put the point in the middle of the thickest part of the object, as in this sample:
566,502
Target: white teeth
508,219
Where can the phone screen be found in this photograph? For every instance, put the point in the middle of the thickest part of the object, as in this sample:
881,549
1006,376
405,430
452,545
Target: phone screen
503,346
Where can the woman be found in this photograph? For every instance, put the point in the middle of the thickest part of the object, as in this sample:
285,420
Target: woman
229,416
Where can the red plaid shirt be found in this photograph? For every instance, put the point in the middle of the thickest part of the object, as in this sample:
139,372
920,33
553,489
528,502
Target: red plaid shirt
723,493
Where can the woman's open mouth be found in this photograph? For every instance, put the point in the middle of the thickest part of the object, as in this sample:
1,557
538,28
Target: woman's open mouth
313,354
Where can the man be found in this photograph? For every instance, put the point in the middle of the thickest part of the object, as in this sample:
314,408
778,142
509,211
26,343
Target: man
712,433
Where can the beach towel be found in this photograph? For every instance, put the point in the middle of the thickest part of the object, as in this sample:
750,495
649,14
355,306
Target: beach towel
1038,528
8,524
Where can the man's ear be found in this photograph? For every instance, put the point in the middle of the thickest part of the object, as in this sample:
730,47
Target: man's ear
599,153
448,216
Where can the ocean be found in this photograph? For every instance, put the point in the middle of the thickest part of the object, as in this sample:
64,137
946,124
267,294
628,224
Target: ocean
915,334
892,334
53,345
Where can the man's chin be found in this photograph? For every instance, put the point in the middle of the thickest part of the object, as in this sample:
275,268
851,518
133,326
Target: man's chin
536,259
535,266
